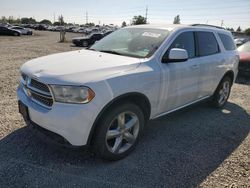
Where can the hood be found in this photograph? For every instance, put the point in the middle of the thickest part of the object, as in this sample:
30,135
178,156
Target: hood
244,56
78,67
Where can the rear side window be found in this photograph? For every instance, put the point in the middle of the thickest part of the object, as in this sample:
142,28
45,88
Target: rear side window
207,43
185,41
227,42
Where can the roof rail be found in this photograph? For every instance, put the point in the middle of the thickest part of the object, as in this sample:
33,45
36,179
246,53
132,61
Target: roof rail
206,25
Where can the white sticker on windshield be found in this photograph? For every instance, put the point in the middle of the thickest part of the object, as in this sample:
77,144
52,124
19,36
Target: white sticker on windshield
149,34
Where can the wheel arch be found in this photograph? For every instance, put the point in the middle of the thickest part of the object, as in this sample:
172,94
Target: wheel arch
230,74
137,98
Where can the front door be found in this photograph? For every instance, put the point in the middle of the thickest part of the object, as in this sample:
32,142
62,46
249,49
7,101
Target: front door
181,79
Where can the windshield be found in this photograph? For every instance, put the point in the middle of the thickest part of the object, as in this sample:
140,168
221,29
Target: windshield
133,42
245,47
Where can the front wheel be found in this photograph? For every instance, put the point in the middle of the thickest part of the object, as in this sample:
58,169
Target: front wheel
118,131
222,92
16,34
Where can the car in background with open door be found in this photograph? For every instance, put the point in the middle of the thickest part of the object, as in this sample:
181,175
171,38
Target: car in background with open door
244,64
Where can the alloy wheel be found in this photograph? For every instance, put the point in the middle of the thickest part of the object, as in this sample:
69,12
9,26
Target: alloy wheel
224,92
122,132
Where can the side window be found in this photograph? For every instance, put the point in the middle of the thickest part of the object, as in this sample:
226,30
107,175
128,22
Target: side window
185,41
207,43
227,42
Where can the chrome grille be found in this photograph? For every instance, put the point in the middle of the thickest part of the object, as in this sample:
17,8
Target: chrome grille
41,99
38,85
38,91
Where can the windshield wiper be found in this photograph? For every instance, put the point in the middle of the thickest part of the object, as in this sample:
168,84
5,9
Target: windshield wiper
111,52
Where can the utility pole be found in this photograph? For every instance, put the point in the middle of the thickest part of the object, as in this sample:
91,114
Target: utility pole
146,16
54,17
222,23
86,17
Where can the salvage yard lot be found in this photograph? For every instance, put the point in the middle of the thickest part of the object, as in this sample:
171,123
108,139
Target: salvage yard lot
198,146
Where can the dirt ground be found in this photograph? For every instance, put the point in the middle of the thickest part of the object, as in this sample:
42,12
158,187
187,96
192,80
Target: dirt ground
196,147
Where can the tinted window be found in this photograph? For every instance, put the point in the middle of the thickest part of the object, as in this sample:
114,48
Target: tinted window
185,41
227,42
207,43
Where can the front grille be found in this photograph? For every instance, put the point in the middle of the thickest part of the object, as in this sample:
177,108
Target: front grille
40,86
38,91
47,101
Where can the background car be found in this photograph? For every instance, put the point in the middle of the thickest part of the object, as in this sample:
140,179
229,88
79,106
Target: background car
9,31
23,30
244,64
240,41
88,40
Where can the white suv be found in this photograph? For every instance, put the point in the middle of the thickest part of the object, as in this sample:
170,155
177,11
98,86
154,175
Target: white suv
103,96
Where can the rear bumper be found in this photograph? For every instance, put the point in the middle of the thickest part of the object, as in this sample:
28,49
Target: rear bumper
73,122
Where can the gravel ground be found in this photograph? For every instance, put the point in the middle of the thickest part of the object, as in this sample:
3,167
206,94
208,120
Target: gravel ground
195,147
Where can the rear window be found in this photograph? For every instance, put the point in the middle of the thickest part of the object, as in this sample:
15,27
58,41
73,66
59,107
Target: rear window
207,43
227,42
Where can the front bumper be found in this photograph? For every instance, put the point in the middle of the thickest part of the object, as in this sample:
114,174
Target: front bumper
71,121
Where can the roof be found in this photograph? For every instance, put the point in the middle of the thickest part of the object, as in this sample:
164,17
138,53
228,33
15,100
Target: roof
171,27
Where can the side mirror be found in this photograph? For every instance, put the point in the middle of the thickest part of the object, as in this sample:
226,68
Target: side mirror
176,55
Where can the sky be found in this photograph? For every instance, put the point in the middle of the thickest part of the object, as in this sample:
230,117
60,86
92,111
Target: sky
228,13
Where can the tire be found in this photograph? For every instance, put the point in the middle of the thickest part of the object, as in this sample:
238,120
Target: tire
118,131
85,43
222,92
16,34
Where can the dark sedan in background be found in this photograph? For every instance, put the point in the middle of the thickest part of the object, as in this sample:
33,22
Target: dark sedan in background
24,31
9,31
88,40
244,64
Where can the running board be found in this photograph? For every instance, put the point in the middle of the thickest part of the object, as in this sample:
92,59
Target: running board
178,108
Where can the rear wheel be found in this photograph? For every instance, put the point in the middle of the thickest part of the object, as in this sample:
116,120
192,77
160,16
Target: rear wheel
222,93
118,131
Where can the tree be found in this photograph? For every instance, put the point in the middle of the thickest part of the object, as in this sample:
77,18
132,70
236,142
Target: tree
247,31
238,29
177,19
28,21
137,20
3,19
56,23
124,24
230,29
46,22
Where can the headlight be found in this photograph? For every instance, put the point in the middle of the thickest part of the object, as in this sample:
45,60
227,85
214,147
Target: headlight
72,94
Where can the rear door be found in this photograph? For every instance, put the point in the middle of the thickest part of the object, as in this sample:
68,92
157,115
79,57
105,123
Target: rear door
210,60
